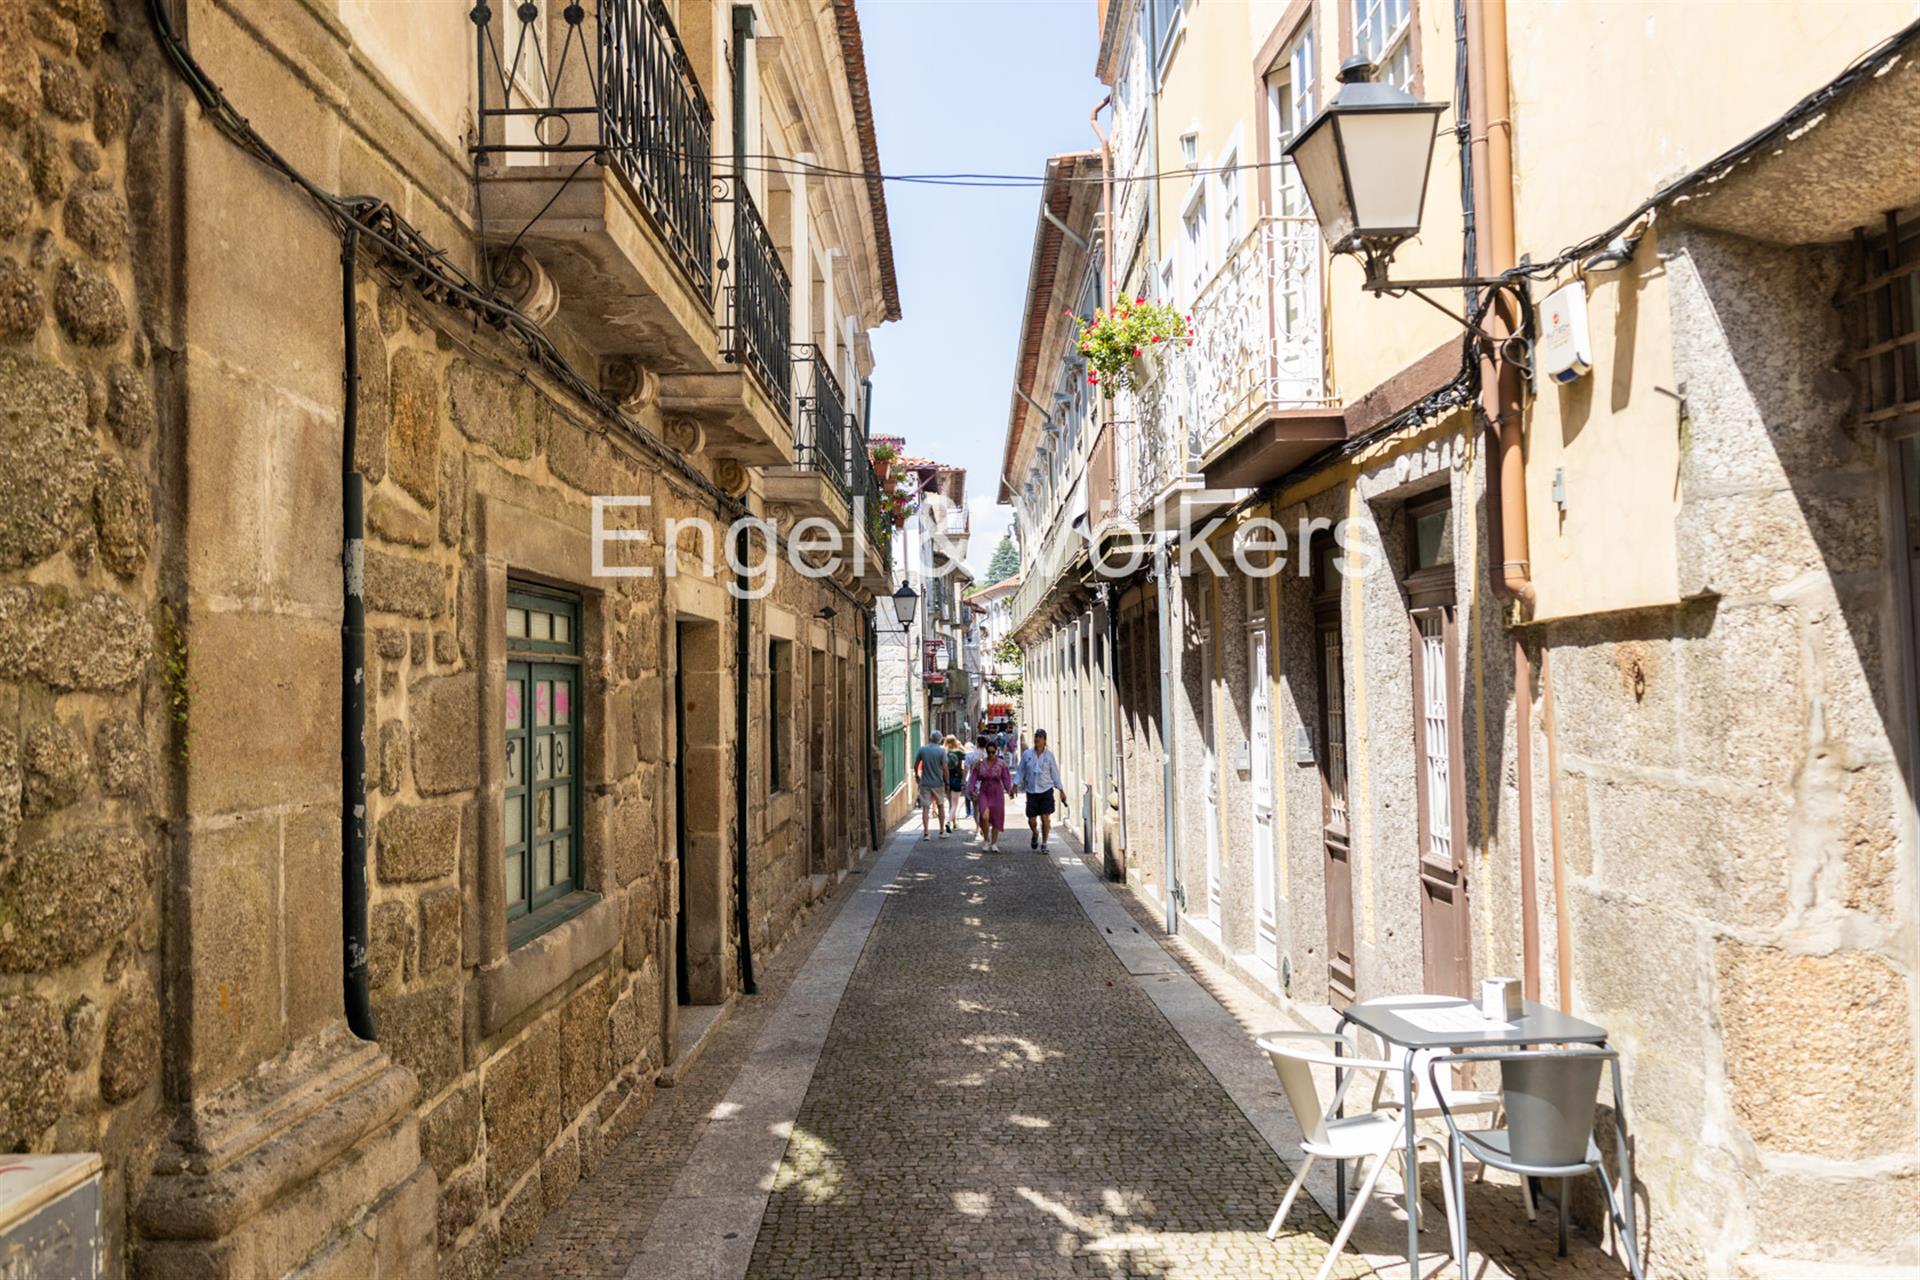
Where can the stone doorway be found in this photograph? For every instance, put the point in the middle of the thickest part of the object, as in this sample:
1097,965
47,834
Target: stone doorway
701,806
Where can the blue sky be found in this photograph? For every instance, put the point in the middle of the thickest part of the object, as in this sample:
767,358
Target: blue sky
992,86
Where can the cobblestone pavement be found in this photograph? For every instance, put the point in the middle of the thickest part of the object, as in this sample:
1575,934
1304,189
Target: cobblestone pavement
998,1098
600,1228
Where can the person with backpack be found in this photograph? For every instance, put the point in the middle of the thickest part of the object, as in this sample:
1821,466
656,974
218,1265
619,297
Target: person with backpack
956,780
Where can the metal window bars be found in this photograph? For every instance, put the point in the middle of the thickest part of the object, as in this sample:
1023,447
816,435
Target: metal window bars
633,86
821,431
1885,293
759,299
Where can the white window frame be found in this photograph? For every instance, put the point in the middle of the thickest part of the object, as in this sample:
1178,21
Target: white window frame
1292,96
1196,251
1163,53
1227,179
1393,42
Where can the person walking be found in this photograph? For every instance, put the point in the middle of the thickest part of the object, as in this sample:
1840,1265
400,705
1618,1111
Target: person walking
1039,778
990,783
930,773
975,754
956,780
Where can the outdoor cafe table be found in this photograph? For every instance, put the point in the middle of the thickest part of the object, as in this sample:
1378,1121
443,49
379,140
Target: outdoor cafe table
1442,1025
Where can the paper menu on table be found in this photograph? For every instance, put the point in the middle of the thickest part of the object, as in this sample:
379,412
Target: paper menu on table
1449,1018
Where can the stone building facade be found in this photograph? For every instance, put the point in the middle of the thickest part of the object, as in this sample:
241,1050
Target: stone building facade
1666,779
591,797
91,689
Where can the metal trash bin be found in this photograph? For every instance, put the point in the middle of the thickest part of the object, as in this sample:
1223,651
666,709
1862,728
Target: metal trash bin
50,1217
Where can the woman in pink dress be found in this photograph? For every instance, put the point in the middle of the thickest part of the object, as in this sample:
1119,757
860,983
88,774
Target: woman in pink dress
990,785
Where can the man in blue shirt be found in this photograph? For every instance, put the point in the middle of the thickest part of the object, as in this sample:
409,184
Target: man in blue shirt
930,772
1039,778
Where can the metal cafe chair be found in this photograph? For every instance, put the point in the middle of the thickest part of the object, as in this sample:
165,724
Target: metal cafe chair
1548,1097
1374,1136
1463,1102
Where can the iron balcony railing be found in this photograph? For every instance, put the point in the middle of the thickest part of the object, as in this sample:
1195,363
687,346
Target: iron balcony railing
1257,333
1258,346
821,434
864,488
759,297
627,99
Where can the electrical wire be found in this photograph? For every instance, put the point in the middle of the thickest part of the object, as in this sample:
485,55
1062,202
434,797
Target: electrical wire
412,260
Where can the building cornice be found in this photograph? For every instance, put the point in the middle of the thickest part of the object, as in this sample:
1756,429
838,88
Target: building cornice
853,54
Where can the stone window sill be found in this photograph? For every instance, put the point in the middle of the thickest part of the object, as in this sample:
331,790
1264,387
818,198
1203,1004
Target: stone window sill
534,924
588,928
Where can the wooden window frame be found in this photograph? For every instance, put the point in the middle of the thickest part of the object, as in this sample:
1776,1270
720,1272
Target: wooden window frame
779,711
530,662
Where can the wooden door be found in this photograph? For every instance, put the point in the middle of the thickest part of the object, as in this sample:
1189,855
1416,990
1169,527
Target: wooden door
1329,659
1209,756
1446,938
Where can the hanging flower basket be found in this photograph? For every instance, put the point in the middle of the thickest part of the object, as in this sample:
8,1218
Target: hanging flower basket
1128,346
882,457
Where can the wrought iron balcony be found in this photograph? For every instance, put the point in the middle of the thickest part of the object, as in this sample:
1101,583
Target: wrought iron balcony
821,437
621,94
1257,354
1258,326
864,487
759,299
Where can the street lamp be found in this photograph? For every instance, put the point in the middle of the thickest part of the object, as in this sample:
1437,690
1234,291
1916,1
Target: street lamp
1364,163
905,601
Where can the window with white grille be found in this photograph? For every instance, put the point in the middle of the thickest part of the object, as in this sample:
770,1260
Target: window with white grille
1382,33
1439,734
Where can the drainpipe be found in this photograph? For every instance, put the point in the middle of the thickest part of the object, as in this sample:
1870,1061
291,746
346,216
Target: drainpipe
1108,598
1502,394
1064,229
1163,573
873,636
353,671
1106,197
741,621
1504,397
742,32
873,735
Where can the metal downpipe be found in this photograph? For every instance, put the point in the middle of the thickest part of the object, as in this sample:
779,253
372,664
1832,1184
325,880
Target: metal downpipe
1502,400
1162,572
353,670
741,657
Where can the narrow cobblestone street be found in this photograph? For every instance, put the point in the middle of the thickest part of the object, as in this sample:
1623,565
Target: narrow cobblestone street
983,1102
991,1074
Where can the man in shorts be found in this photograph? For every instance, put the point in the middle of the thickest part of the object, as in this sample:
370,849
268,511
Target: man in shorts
1039,778
930,774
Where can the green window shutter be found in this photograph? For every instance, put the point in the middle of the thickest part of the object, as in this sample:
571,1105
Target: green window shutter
542,807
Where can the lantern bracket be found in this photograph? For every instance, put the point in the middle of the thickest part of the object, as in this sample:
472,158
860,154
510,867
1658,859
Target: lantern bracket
1516,346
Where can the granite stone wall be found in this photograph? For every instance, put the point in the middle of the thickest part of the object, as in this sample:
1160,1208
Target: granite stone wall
90,643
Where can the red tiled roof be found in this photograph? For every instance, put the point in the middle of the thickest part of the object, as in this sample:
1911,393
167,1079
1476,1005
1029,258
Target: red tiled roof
853,53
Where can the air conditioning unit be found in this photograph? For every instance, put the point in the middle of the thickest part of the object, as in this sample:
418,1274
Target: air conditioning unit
50,1216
